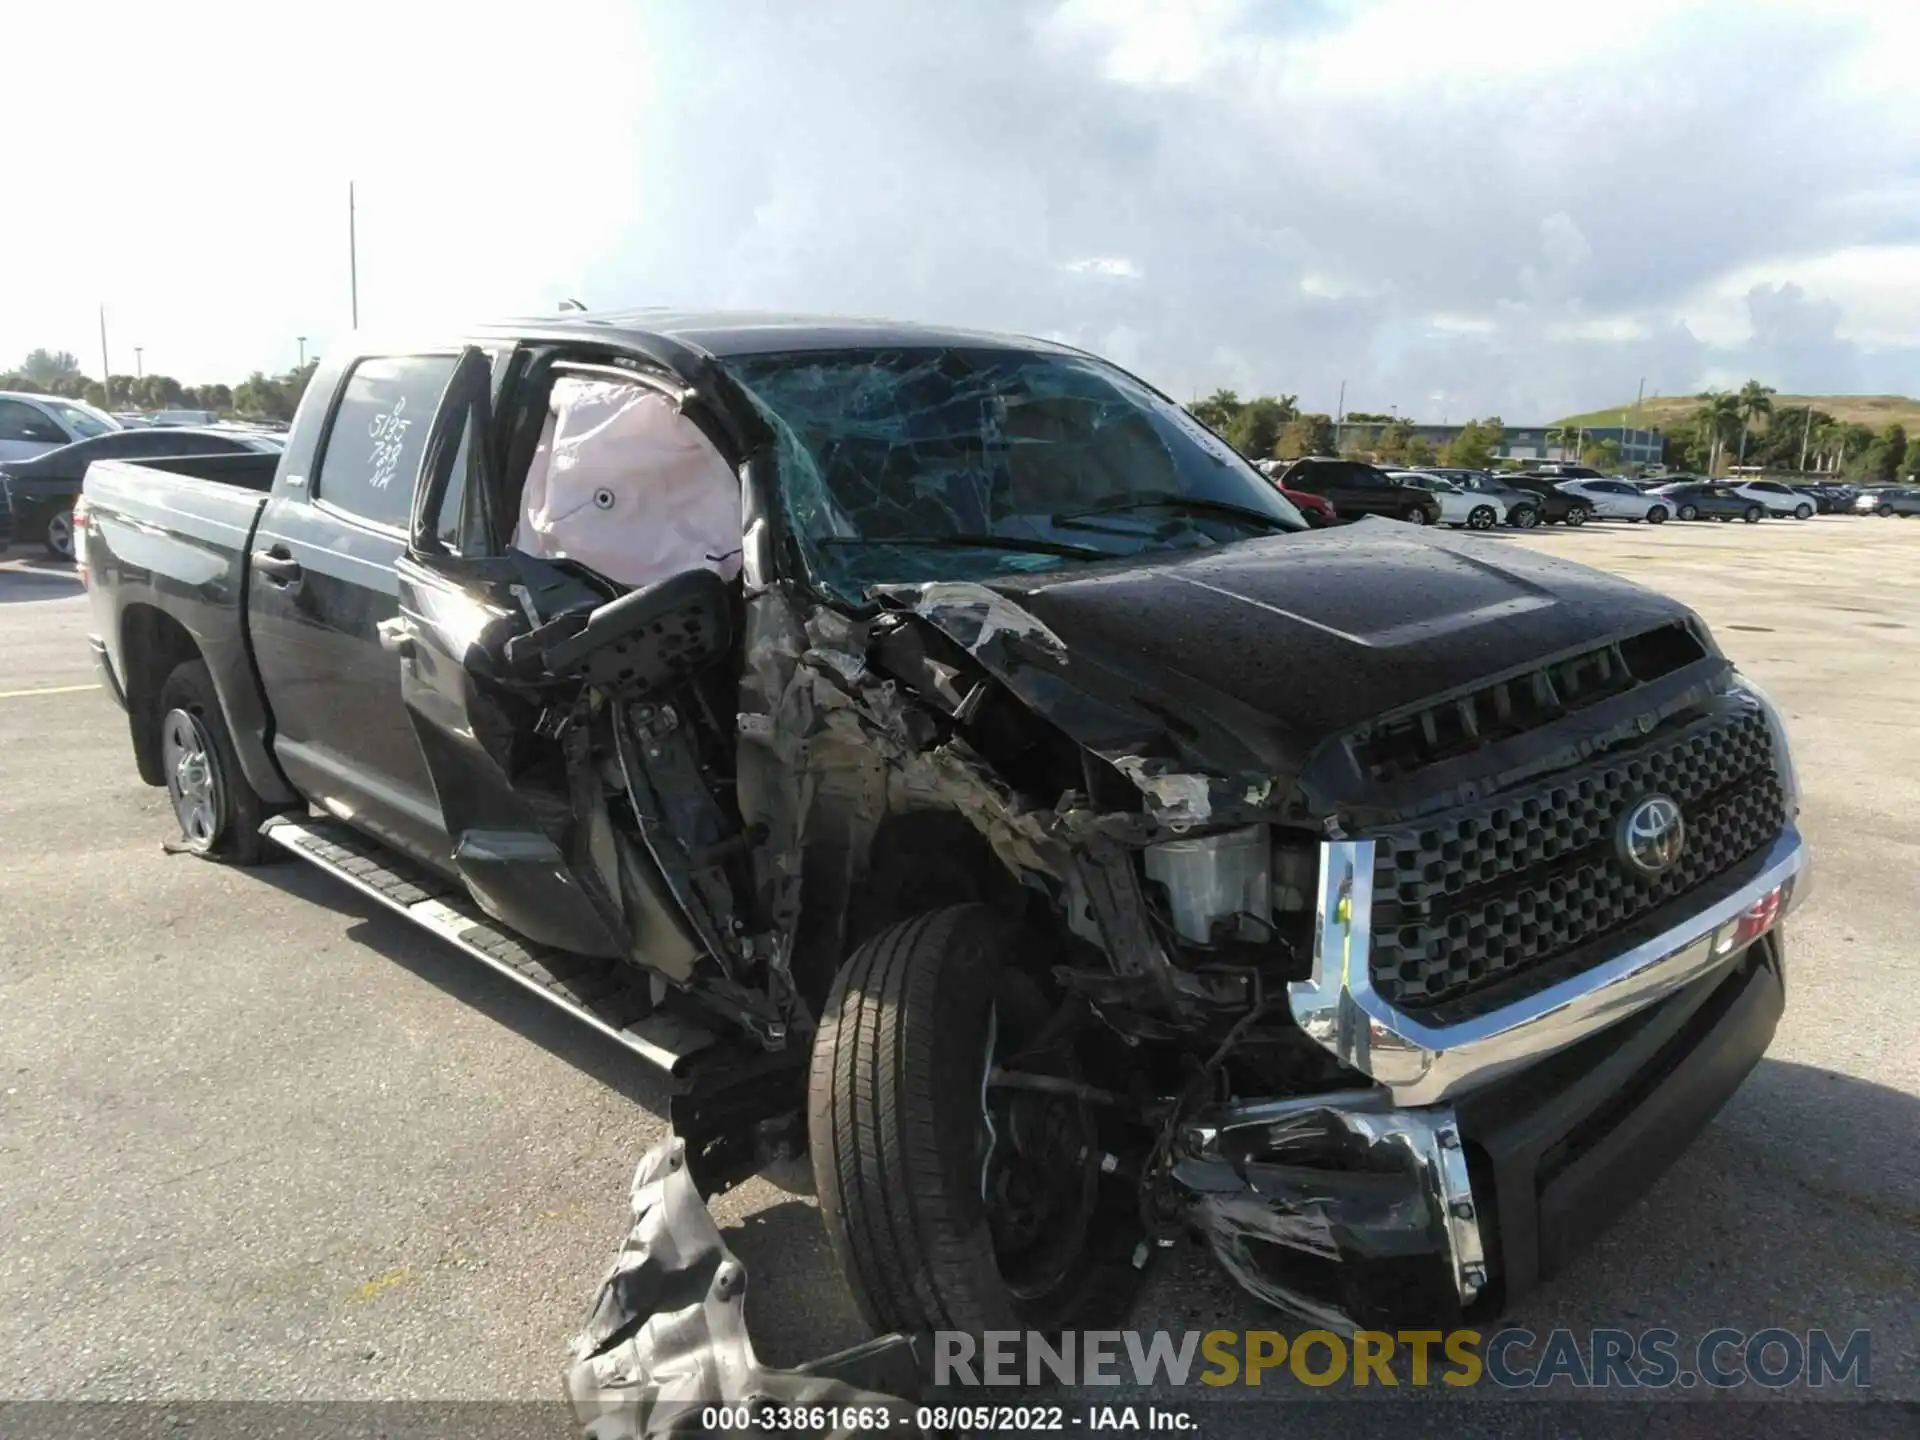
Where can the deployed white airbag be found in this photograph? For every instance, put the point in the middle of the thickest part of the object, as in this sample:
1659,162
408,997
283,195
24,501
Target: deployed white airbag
626,485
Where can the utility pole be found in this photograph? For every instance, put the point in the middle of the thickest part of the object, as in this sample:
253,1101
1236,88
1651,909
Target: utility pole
1638,396
139,366
1806,433
1339,418
106,368
353,255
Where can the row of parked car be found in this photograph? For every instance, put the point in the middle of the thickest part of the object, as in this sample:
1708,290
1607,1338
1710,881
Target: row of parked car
1327,490
46,444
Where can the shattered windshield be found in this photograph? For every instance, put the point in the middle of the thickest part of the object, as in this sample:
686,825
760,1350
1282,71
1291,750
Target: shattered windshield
958,464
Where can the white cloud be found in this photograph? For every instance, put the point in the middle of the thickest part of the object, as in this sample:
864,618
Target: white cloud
1527,207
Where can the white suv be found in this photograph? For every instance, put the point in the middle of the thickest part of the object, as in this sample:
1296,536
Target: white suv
1779,499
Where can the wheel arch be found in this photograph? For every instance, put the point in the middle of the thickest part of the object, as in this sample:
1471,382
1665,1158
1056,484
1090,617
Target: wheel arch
152,645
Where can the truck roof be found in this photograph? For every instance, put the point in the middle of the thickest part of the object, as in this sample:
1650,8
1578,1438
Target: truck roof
727,333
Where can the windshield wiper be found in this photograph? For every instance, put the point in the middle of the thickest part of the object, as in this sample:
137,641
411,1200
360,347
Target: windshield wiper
1184,504
976,542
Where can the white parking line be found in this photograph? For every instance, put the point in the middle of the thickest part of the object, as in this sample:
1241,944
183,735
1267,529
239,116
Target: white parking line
49,690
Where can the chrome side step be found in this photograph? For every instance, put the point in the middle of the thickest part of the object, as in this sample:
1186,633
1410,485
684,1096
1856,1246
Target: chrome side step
611,997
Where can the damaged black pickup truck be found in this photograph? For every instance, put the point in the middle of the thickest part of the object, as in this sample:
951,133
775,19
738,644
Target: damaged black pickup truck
960,771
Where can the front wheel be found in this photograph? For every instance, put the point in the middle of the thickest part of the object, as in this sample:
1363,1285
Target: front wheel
1689,512
1482,517
59,537
1657,515
219,813
1753,515
1579,515
1415,516
1803,512
952,1202
1524,518
1884,510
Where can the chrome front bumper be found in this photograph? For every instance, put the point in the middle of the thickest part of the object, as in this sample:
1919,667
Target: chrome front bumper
1420,1064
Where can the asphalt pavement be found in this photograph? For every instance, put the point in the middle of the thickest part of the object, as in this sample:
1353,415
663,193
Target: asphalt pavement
260,1140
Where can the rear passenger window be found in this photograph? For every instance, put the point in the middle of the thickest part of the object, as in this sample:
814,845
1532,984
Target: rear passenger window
371,456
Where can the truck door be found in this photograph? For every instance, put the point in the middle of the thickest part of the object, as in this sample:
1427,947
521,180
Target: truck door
322,586
532,844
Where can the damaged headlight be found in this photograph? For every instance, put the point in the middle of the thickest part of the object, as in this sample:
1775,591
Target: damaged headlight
1782,749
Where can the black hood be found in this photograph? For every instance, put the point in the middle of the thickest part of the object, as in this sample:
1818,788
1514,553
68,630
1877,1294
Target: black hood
1286,642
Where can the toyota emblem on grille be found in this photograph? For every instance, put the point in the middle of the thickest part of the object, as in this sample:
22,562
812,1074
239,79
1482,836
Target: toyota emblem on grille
1652,835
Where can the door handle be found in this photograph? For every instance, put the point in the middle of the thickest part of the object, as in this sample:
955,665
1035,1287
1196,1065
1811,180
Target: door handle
396,636
277,564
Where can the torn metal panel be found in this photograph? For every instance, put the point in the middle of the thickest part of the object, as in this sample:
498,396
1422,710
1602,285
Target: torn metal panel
667,1337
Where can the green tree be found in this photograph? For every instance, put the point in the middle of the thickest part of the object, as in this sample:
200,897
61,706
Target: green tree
1420,451
1255,429
1366,417
1602,455
1886,456
1717,421
1395,439
44,367
1306,435
1216,412
1755,400
1473,447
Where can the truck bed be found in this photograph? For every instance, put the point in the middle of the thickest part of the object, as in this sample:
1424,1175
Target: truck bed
168,550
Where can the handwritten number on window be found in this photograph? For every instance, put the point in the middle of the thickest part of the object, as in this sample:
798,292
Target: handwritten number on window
389,434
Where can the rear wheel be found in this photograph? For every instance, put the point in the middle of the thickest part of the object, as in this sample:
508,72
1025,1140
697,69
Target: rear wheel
59,537
1657,515
1482,517
1753,515
1689,512
219,813
951,1204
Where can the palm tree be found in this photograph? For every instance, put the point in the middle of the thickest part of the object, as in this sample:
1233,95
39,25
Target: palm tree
1754,399
1717,420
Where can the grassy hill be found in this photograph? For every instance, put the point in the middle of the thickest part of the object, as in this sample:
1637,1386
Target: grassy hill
1665,410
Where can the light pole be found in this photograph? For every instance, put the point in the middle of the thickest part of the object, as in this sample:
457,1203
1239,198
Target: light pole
139,367
303,350
106,366
353,255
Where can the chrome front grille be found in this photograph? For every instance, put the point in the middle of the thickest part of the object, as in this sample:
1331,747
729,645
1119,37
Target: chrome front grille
1481,898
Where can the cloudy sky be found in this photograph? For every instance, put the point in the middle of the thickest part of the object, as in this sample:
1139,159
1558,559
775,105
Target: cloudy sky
1455,206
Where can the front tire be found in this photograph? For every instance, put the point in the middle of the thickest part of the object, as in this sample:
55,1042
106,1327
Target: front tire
1884,510
1481,517
1689,512
1525,518
1657,515
929,1204
218,812
1578,516
1415,516
1754,515
1803,512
